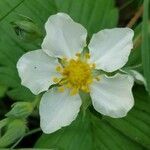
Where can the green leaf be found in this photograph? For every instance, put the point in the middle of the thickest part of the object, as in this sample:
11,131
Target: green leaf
11,47
20,93
33,149
3,90
76,136
9,76
88,133
146,43
93,15
92,132
135,59
136,124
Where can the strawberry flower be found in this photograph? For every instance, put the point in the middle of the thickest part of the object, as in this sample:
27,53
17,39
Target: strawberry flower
63,62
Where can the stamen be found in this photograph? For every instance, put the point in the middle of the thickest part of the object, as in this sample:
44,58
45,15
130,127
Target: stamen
63,81
58,68
97,78
64,58
77,74
68,85
56,80
78,54
85,89
93,66
61,89
74,91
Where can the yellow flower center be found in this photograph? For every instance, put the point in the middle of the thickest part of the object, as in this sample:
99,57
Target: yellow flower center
76,74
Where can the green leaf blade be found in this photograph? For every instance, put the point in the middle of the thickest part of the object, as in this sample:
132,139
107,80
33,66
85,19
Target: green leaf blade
146,43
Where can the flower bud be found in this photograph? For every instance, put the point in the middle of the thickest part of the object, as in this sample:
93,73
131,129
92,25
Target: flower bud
20,110
27,30
3,123
14,130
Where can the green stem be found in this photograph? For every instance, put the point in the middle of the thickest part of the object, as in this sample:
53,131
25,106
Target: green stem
27,134
35,104
37,100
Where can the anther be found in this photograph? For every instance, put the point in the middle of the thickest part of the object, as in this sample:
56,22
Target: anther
61,89
78,54
58,68
93,66
74,91
97,78
56,80
64,60
85,89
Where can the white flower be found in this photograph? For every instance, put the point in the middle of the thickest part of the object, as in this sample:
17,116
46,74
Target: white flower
65,39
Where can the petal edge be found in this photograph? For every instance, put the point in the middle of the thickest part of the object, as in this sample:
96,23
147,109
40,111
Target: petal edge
36,70
58,110
110,48
64,37
112,96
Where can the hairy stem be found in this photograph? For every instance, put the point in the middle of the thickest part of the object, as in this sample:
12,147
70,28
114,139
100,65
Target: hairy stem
137,15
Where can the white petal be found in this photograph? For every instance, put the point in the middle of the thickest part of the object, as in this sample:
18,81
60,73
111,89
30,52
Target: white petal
110,48
36,70
112,96
58,109
138,77
64,37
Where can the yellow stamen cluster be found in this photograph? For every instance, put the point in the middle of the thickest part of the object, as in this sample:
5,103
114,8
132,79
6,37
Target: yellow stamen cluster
76,74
